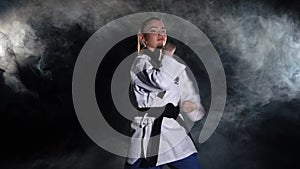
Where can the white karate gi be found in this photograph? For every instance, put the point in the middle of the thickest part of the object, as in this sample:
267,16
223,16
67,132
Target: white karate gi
172,78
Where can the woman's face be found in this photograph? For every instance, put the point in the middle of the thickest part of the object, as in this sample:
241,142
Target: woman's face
154,34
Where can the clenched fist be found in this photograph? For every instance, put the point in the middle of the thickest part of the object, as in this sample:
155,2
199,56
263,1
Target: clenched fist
169,49
188,106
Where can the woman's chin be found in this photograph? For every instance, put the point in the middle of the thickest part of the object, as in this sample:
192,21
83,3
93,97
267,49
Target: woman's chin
160,46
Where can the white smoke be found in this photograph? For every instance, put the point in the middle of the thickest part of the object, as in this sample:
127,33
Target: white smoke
18,38
17,43
260,50
266,48
271,51
266,45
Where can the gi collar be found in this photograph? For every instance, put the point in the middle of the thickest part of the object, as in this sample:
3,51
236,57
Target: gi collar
153,55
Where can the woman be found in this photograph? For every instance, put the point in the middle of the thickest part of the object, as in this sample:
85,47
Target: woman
160,82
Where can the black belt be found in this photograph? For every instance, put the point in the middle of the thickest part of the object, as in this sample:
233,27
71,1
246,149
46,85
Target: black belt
170,111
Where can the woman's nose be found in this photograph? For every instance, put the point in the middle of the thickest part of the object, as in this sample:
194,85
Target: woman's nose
161,35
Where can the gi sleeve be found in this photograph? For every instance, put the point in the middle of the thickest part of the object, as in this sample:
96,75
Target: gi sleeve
155,79
188,93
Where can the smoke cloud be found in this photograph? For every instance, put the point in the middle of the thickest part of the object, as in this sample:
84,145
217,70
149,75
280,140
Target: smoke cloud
258,43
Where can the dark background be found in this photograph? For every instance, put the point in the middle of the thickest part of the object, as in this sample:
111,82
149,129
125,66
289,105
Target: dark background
258,43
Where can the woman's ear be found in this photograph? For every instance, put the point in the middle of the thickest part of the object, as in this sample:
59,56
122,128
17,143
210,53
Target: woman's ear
142,39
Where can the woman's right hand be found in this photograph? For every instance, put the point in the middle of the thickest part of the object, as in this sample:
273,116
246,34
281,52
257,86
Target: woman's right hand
169,49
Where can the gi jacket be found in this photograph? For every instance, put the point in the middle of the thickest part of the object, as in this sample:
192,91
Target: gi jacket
155,84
